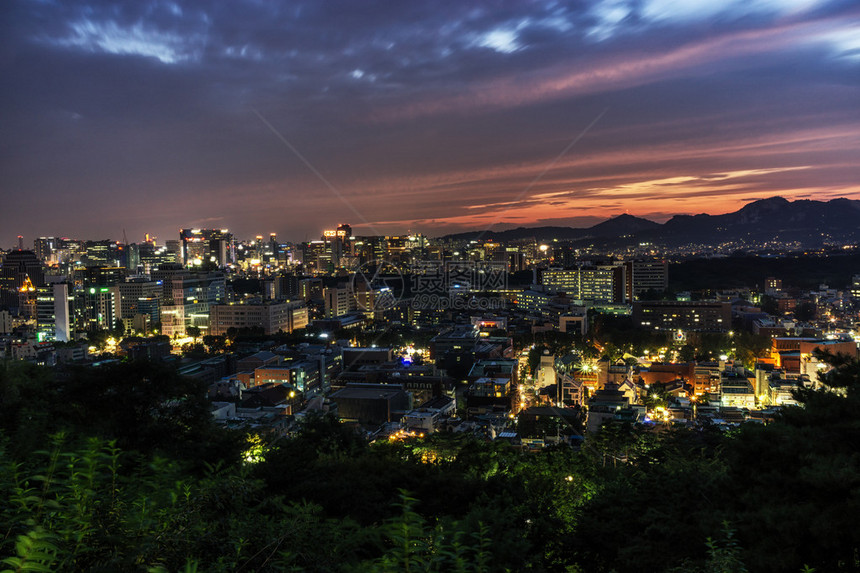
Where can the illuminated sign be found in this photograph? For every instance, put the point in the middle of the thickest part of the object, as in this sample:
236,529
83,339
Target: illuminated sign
341,234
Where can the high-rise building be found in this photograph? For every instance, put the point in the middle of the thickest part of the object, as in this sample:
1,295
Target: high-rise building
18,267
67,251
678,315
311,289
316,258
138,296
101,276
286,286
151,256
272,317
188,296
646,275
395,249
338,245
273,249
563,256
104,254
337,301
5,322
372,248
94,308
603,283
27,299
52,312
206,246
515,259
44,247
175,247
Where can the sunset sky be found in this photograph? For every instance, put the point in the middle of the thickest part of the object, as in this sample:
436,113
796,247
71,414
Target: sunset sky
290,117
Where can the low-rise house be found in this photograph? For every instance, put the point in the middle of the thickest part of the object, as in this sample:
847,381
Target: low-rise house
604,405
428,417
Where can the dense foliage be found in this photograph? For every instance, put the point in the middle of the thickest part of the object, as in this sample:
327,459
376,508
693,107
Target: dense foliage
743,270
120,468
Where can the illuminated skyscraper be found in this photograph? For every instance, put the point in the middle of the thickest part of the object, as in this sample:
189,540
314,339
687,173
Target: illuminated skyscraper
52,312
45,247
187,298
207,246
104,254
17,267
644,276
273,249
338,246
602,283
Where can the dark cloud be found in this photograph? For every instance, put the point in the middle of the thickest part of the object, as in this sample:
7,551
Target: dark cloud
435,116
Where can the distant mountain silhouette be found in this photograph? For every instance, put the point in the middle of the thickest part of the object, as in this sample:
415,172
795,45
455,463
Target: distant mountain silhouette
805,221
611,228
623,225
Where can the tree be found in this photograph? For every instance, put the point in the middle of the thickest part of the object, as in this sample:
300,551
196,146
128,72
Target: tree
118,330
687,353
535,356
98,338
193,332
215,343
805,311
143,406
769,305
803,484
750,347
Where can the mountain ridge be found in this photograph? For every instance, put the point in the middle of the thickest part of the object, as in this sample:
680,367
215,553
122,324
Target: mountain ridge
804,220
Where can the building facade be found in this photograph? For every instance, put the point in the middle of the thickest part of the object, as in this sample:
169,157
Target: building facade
680,315
272,317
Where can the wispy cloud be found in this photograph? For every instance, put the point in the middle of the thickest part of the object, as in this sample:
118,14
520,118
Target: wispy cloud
136,39
425,115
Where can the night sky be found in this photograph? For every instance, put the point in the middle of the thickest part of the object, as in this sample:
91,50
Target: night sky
435,117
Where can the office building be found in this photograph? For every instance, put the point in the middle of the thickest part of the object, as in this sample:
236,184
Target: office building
316,258
52,312
645,275
104,253
338,301
679,315
271,317
44,247
138,296
18,267
209,246
100,276
338,246
603,283
187,298
95,308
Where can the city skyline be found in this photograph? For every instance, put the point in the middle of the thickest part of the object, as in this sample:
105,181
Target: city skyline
286,118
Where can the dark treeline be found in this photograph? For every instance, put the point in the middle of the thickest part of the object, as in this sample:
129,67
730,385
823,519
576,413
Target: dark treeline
807,271
120,468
